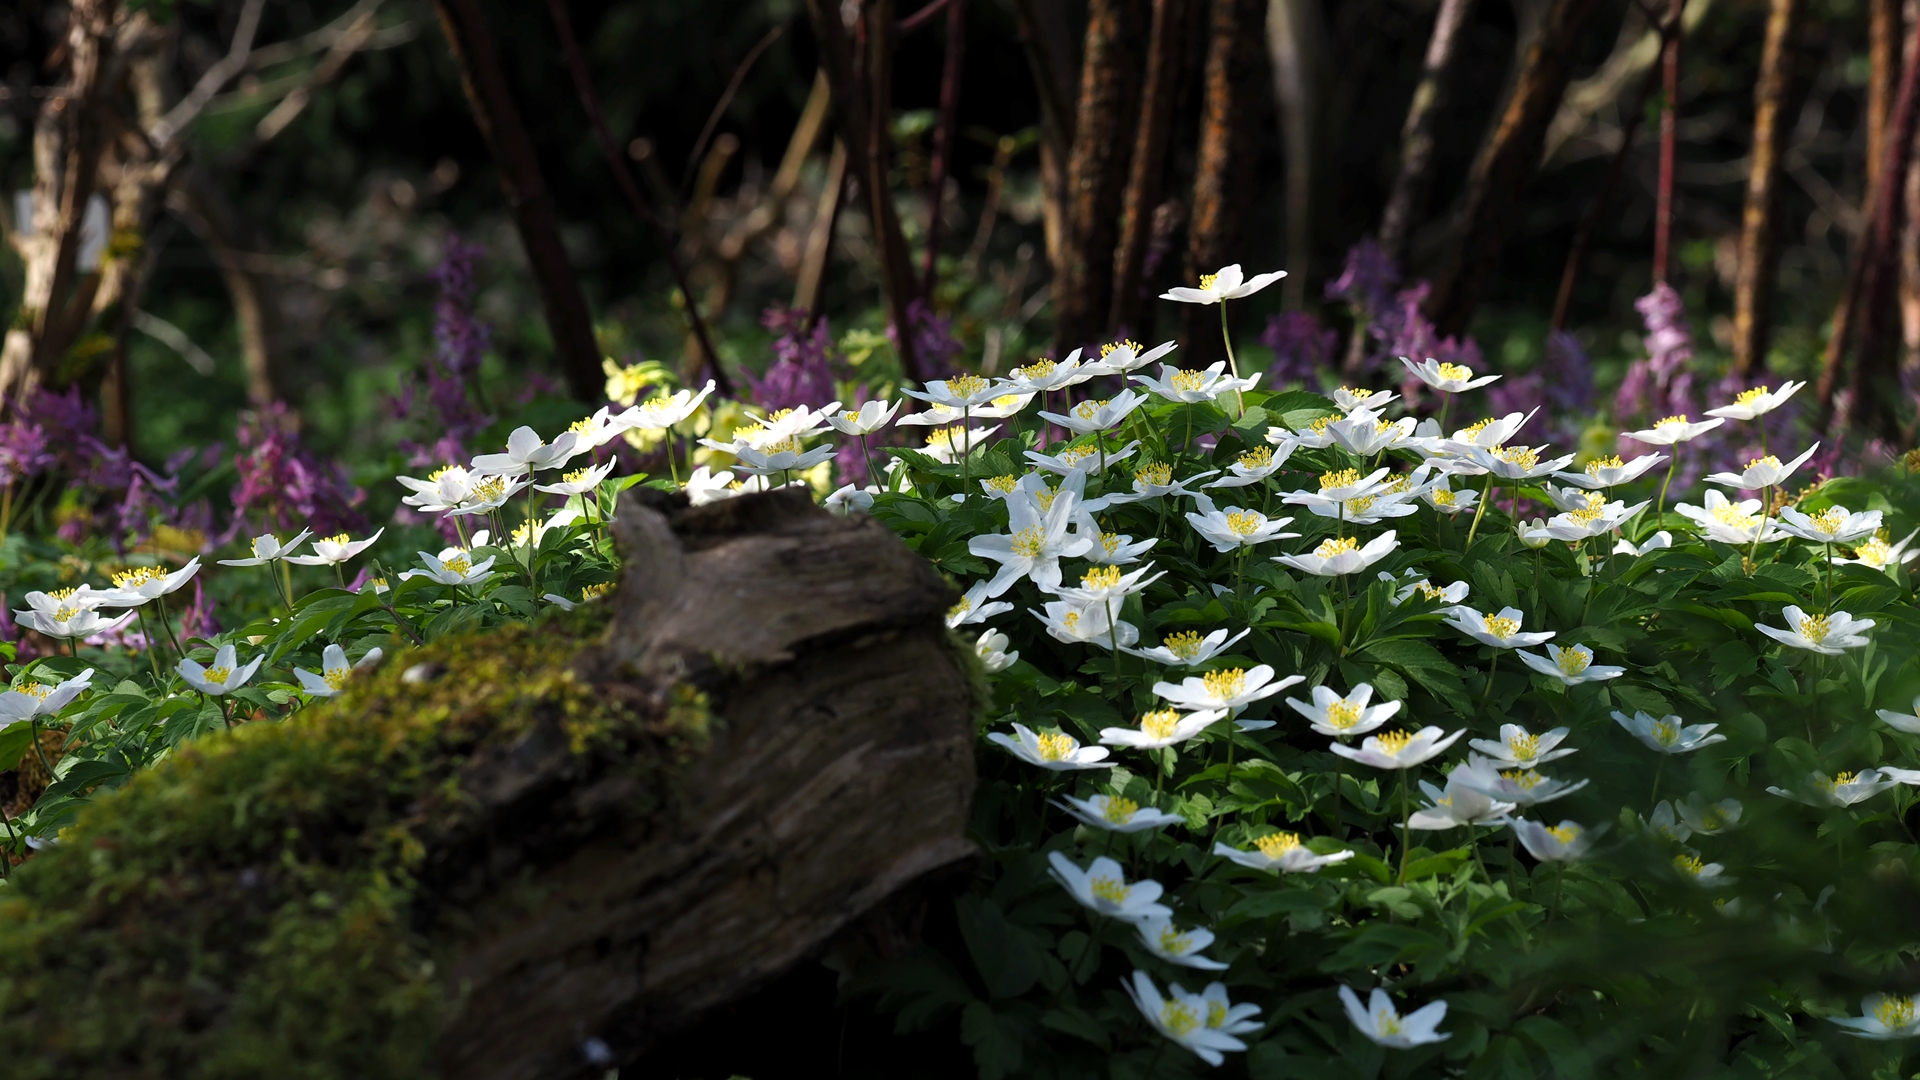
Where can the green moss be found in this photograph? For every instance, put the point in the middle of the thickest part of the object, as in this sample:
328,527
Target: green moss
262,904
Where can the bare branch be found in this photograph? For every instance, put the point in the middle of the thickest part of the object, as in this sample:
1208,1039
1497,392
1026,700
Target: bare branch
320,40
174,338
326,71
228,68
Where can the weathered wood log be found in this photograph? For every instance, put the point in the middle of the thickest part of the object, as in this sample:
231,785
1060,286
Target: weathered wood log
526,854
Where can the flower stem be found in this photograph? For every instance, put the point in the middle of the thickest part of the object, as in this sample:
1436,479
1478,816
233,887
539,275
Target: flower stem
1486,692
33,724
1766,508
1233,365
1660,509
1658,769
152,658
1486,496
1406,824
866,455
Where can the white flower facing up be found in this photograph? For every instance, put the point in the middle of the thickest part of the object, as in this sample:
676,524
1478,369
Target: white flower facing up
1344,717
1112,549
948,445
1183,385
1697,871
1253,466
1834,525
975,608
453,566
1907,722
1665,822
1572,665
1709,818
1122,357
577,482
1051,750
706,486
1226,283
1078,622
1457,806
267,548
1882,1017
1399,749
1611,471
1522,749
784,456
1186,648
1162,727
1154,479
69,613
1230,688
142,584
849,499
1501,631
1673,430
1234,526
1339,486
991,648
1517,462
1343,555
1761,472
1829,635
1446,378
1533,534
1659,541
997,409
334,671
1364,434
1522,787
333,550
1084,459
1183,1018
1116,814
662,411
1108,584
865,420
1729,522
1095,415
1757,402
526,452
225,676
1565,842
1349,398
440,492
1379,1021
1103,887
1044,376
1034,544
1667,734
1282,853
1177,946
488,492
959,392
1425,589
1878,554
1577,525
33,698
1841,789
1448,501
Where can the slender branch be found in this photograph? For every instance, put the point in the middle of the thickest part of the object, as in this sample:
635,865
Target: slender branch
1416,134
1759,242
224,70
1669,143
925,15
740,72
943,136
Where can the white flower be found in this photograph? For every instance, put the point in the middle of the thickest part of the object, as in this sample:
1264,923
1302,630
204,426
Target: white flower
1533,534
1107,583
69,613
1341,556
706,486
445,489
334,671
1501,631
1659,541
948,445
1115,814
559,601
1230,688
488,492
1177,946
780,457
1349,398
525,452
1450,594
1339,486
1446,378
1517,462
1227,283
1843,789
1382,1023
1111,549
1883,1016
1444,499
594,431
579,481
662,411
1103,887
1729,522
1877,554
1456,806
1085,459
1044,376
1488,434
535,531
1155,479
991,648
1181,384
1281,852
1708,818
1834,525
867,419
1121,357
974,608
334,550
1034,544
1344,717
1564,842
1183,1018
1571,666
1234,526
849,499
132,588
453,566
1364,434
1706,875
1082,623
1253,466
1754,403
1674,429
1520,786
998,408
1519,748
1577,525
1665,823
226,674
1186,648
1667,735
1907,722
1829,635
1608,472
1761,472
1399,749
32,698
1162,727
1094,415
267,547
1053,750
960,392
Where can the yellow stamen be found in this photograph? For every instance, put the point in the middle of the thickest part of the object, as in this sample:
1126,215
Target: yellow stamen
1055,746
1029,542
1129,345
1770,461
1894,1012
1575,660
1112,890
959,386
218,676
1343,714
1502,628
1039,369
1158,474
1101,577
1119,810
1329,548
1443,497
1207,280
1173,942
595,592
1341,478
1226,684
1523,456
1665,734
335,678
1748,397
1525,781
1176,1016
1594,467
1185,644
1245,524
1690,865
1189,380
1523,747
1359,506
1455,372
1393,742
1086,409
1815,628
1276,845
1257,458
1160,723
1003,484
138,576
1563,833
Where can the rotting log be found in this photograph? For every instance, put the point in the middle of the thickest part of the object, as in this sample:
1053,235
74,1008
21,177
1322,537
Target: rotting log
526,854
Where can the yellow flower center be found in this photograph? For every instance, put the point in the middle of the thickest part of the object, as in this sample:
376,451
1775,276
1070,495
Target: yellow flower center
1226,684
1665,734
579,427
1563,833
1815,628
1387,1022
1245,524
1185,644
1393,742
441,471
1160,723
1502,628
459,564
1455,371
1831,520
1319,427
1258,458
488,490
34,690
1769,461
67,613
1343,714
1875,552
595,592
1108,350
1071,620
1841,780
1004,484
1690,865
1329,548
1396,486
965,605
1177,1016
1029,542
1277,844
1158,474
1575,660
1672,421
1473,431
1341,478
522,533
1594,467
1119,810
218,675
1086,409
1112,890
1730,515
1055,746
1523,456
1006,401
1207,280
1748,397
1039,369
1356,507
1443,497
1110,542
950,438
850,417
1585,517
1525,781
1101,577
958,386
1894,1012
1185,379
1523,747
1430,591
574,477
336,678
1072,457
1175,943
1357,395
138,576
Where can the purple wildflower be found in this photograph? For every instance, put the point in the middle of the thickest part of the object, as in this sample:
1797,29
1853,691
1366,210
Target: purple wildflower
1302,348
1660,385
23,451
1367,281
802,372
933,340
282,487
197,620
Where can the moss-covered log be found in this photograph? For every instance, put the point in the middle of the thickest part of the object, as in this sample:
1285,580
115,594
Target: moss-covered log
503,851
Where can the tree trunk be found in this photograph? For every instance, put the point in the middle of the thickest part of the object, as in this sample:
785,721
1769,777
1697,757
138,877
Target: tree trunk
1506,162
1097,170
1146,174
1224,168
1669,142
1297,49
499,119
1047,38
1883,72
255,295
1416,134
1759,239
538,849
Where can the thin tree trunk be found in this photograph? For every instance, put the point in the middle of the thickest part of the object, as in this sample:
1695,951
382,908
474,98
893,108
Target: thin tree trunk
1507,160
1910,257
1669,142
1297,51
1224,165
1097,170
826,219
1759,240
256,307
943,137
565,305
1416,134
1047,38
1883,71
1146,174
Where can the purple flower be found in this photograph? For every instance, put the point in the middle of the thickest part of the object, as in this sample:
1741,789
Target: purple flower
933,340
197,620
1367,282
282,487
23,451
1659,385
802,372
460,343
1407,331
1302,348
10,631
